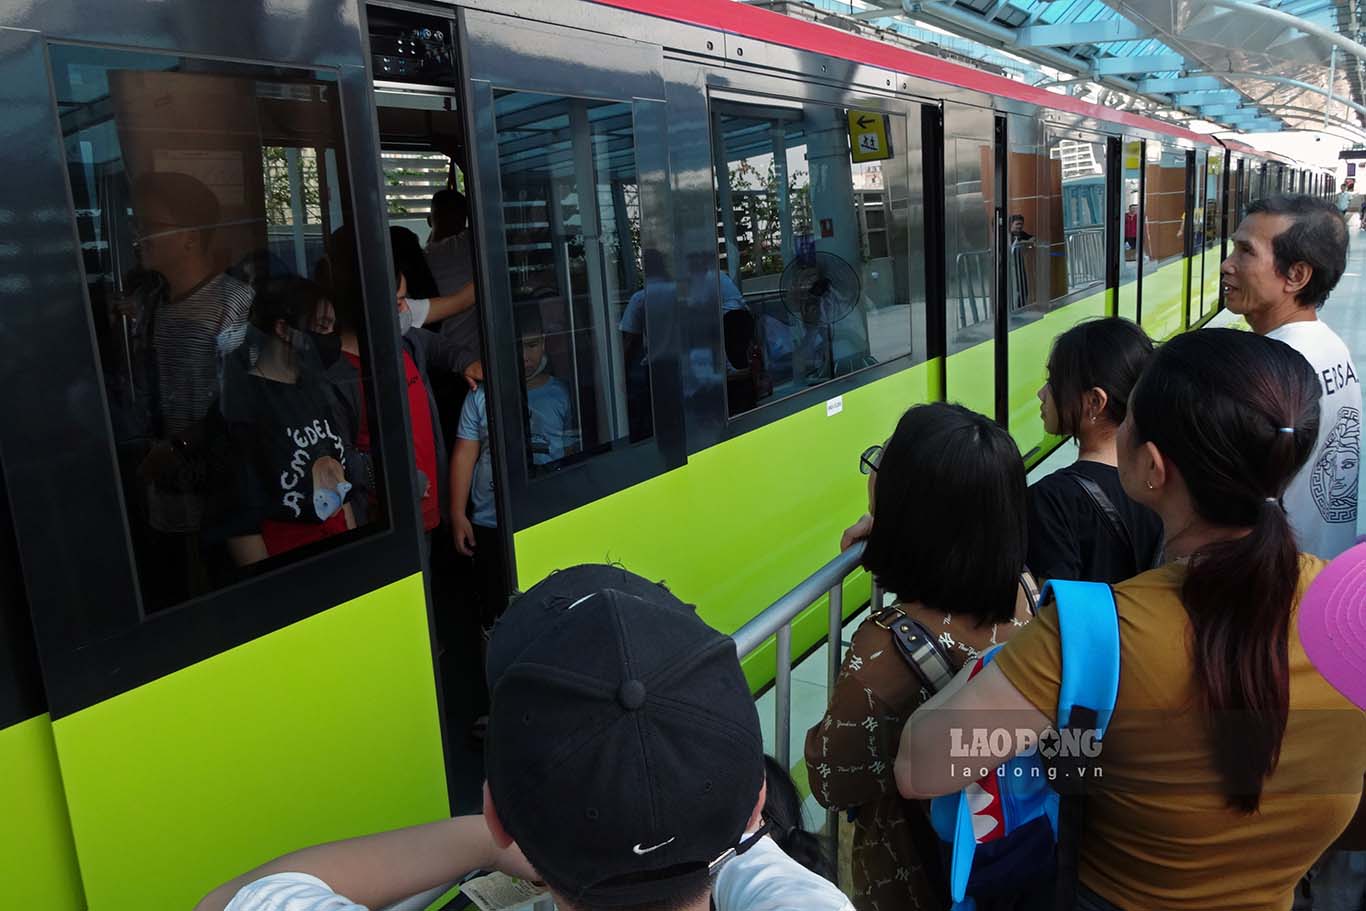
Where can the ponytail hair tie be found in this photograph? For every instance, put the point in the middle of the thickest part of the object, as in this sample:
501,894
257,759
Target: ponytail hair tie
1285,429
1270,500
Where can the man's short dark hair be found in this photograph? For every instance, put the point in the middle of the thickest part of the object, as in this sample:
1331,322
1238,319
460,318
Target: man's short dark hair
949,520
1317,237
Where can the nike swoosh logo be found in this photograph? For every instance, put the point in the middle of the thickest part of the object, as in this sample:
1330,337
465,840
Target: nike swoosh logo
639,850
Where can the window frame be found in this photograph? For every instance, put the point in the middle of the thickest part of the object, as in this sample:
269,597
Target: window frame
92,635
739,88
496,55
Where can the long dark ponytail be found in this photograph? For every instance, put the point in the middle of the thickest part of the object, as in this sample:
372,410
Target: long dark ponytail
1238,415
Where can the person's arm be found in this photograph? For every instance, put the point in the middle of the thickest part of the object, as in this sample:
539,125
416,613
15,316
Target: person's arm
379,870
463,460
850,752
448,305
857,532
247,549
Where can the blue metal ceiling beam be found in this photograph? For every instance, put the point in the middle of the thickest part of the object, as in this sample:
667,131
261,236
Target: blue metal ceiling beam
1217,111
1195,99
1150,63
1181,84
1071,34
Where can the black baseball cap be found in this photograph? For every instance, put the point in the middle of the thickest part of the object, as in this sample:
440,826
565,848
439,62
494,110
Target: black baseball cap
623,750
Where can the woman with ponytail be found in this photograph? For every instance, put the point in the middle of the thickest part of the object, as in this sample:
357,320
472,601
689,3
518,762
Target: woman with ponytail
1230,764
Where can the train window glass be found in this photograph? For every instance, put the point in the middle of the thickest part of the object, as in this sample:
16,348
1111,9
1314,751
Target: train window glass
1055,237
1197,287
571,214
1130,205
410,179
1164,240
212,212
814,280
1071,229
1213,191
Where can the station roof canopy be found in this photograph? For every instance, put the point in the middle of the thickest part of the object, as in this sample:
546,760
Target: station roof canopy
1248,65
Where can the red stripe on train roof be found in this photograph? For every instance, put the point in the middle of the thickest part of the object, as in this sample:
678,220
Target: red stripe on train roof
766,25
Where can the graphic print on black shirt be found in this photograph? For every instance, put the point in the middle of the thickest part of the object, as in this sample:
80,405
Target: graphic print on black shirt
1070,538
287,434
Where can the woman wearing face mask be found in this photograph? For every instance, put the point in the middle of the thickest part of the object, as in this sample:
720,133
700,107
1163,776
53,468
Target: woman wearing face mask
289,447
1229,764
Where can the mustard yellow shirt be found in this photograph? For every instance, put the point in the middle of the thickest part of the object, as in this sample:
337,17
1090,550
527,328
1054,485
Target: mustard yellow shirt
1158,834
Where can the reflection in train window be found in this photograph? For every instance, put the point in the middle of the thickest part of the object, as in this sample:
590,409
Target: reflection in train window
1130,205
1165,212
813,279
211,202
571,214
1074,238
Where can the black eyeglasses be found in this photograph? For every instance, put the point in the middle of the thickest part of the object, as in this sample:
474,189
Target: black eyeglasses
871,458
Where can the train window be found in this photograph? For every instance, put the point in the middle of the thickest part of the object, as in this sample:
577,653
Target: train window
1164,239
572,219
814,280
212,211
1071,230
1213,191
1130,204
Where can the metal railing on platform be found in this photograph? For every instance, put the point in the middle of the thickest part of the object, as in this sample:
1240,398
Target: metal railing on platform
775,621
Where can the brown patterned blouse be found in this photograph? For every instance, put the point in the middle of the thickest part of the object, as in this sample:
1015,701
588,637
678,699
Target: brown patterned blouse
851,753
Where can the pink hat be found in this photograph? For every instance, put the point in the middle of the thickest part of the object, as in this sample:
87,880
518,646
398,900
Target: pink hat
1333,624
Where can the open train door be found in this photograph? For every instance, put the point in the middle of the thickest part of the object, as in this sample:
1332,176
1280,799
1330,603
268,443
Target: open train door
218,693
974,241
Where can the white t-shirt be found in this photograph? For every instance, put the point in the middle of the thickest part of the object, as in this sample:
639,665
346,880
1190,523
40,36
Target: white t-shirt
762,879
1322,499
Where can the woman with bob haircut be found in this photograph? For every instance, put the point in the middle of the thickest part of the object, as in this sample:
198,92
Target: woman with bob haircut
1230,764
946,535
1081,523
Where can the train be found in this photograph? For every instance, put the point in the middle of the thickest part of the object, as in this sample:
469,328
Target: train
746,244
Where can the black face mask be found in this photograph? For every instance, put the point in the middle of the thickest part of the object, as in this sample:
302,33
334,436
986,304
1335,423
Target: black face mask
328,347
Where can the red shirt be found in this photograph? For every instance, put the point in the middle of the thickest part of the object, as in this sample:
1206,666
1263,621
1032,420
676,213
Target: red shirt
424,442
285,536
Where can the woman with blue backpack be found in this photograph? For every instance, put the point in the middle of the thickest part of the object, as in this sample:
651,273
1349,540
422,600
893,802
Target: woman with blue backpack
946,535
1207,763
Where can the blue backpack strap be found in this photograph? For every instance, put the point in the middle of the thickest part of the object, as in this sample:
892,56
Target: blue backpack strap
1088,628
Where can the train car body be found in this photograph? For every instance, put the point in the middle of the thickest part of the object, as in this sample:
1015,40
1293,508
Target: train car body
746,244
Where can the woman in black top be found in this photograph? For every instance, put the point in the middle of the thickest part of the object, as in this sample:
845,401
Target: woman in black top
1081,524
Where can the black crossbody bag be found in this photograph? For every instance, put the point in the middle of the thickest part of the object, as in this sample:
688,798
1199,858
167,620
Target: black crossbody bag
1107,508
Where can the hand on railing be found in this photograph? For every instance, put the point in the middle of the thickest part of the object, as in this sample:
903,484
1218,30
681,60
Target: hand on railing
857,532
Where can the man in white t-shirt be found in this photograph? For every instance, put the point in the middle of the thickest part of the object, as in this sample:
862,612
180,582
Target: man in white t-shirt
1286,257
625,770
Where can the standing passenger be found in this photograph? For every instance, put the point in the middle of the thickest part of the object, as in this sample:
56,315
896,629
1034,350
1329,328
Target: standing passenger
960,576
1288,254
1081,524
187,336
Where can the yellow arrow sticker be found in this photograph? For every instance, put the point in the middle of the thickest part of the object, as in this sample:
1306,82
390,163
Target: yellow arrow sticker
868,136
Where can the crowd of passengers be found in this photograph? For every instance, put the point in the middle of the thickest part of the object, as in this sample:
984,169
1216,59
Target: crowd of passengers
1215,479
249,436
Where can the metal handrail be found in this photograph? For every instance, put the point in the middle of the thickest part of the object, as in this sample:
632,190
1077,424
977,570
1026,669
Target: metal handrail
775,621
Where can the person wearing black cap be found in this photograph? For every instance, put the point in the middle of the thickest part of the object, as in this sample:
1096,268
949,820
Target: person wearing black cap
625,768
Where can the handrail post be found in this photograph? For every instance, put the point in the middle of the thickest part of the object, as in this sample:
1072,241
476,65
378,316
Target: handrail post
833,663
782,697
